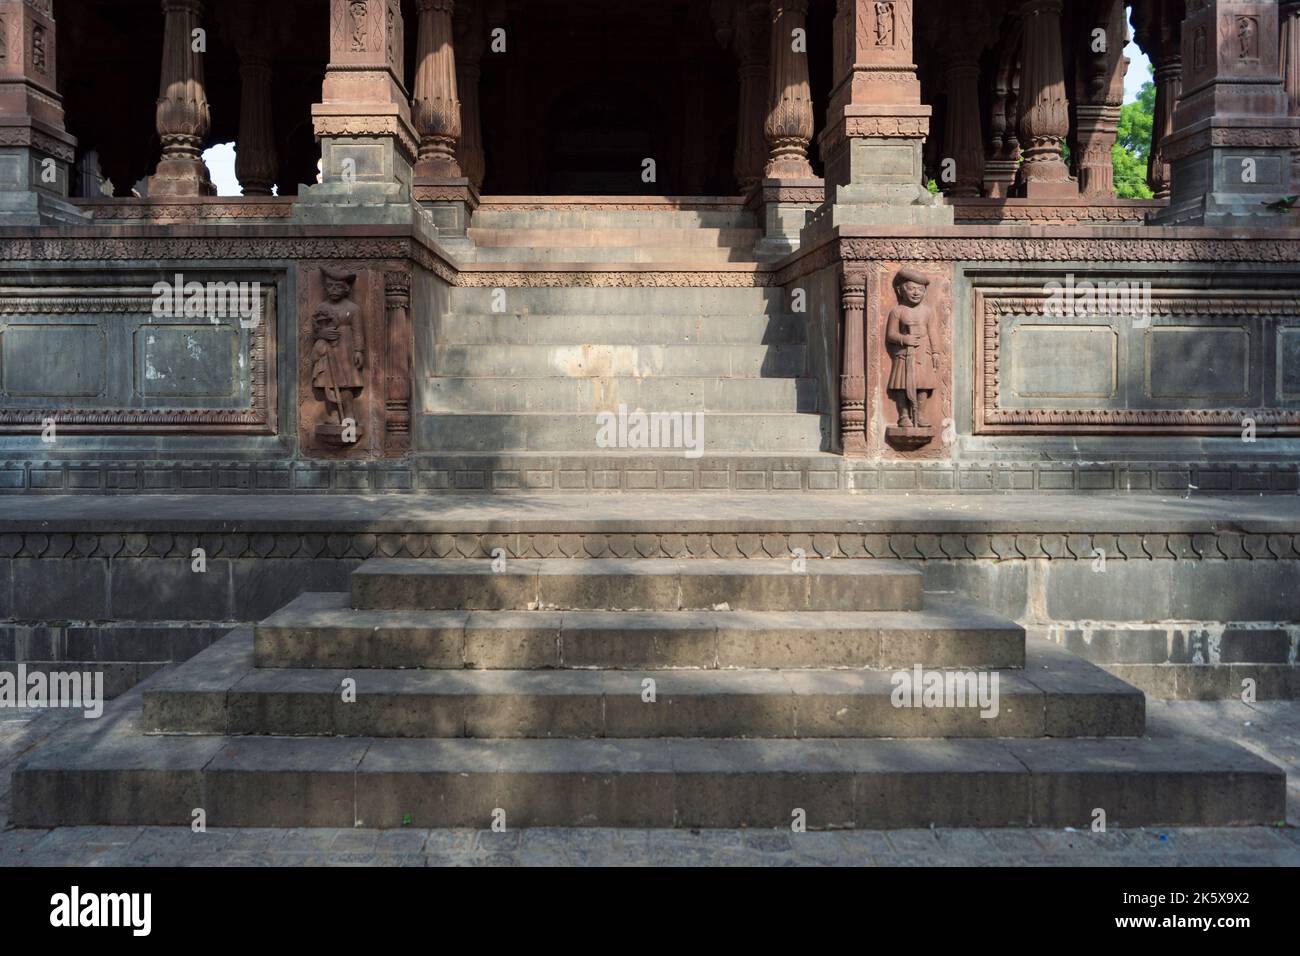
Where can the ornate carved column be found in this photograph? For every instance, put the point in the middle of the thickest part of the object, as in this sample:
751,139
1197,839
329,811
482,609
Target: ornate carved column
876,125
1231,149
1100,97
962,137
853,375
255,160
1290,42
182,114
789,125
751,44
1003,147
36,151
1045,120
436,105
471,42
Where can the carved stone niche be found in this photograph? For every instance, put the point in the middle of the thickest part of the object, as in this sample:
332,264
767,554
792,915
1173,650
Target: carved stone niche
341,356
909,350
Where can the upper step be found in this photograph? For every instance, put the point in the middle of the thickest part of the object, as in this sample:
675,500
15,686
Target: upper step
599,215
640,300
649,584
602,360
615,329
695,237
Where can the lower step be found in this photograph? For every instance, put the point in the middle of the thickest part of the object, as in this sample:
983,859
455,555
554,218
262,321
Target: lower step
110,773
1057,695
687,433
321,629
641,584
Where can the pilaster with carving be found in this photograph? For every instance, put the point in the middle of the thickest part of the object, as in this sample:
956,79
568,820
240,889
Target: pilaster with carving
397,367
853,373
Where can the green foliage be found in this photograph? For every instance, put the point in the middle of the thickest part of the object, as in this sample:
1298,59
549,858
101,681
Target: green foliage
1134,145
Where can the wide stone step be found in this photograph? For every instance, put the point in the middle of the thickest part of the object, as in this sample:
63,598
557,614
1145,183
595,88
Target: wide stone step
323,630
221,692
676,431
602,360
591,395
107,772
686,256
587,300
615,329
578,218
688,237
654,584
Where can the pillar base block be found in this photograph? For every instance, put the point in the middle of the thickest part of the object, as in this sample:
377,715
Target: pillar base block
35,175
365,179
451,203
783,207
1229,171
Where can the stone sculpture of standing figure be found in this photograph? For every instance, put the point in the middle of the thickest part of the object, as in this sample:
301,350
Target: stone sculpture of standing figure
339,349
914,373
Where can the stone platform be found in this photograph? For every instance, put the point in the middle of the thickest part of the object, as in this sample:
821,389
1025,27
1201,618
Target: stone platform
1184,597
639,730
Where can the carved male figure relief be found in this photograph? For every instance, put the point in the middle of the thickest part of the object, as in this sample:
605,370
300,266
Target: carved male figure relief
914,372
338,347
884,23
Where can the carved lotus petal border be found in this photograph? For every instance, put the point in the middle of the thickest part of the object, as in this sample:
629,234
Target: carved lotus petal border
924,547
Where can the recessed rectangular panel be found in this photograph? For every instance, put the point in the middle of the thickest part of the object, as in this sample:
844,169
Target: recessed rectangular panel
1064,361
1288,362
1198,362
54,360
188,361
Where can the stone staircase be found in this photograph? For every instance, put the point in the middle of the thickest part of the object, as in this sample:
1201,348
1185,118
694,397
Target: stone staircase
637,693
533,377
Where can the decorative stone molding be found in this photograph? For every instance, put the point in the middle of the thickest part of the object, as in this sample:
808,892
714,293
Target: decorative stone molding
30,136
1101,212
1233,136
144,210
579,475
617,279
364,126
887,546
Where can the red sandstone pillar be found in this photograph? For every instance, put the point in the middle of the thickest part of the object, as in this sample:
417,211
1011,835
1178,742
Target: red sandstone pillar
1045,120
471,41
1290,43
436,103
789,126
751,43
1169,86
182,114
962,137
255,160
1100,98
876,124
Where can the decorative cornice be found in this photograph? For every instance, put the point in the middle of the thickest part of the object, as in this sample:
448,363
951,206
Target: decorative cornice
1239,137
705,279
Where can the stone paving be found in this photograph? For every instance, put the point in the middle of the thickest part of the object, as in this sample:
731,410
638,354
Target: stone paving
1271,729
